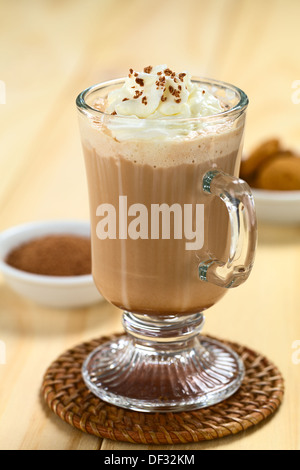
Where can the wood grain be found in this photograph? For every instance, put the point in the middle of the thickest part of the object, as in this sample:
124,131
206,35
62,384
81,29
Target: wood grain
52,50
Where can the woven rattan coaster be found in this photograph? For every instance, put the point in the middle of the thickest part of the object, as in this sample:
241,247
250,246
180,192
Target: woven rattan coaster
66,394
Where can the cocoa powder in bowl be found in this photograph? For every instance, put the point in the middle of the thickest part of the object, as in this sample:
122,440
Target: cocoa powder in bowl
53,255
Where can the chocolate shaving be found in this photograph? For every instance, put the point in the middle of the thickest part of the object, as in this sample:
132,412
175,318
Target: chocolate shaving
125,99
139,81
148,69
168,72
113,113
144,100
137,94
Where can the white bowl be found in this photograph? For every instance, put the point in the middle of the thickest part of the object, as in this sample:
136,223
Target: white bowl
280,207
52,291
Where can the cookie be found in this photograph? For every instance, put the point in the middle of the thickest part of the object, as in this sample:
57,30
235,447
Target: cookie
260,155
280,174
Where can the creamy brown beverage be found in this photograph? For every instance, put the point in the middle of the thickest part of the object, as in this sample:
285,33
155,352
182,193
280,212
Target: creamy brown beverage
154,223
173,228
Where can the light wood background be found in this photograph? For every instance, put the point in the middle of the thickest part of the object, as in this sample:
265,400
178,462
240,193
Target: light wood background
49,52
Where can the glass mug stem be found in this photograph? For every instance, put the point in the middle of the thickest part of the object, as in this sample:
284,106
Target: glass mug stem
163,364
238,199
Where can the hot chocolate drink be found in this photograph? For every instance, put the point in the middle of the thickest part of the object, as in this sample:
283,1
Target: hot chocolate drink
136,173
172,228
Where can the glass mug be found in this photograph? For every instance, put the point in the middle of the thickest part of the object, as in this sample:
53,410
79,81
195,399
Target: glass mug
172,228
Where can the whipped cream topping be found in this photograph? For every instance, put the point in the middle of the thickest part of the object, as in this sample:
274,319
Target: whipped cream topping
159,93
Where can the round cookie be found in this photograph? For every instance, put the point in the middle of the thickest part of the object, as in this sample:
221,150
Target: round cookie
281,173
260,155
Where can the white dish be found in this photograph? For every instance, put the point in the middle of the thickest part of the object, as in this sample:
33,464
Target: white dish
51,291
280,207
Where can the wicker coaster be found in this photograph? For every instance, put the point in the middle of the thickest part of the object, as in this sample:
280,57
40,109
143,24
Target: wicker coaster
66,394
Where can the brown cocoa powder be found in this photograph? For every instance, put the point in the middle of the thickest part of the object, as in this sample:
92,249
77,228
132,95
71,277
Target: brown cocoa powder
53,255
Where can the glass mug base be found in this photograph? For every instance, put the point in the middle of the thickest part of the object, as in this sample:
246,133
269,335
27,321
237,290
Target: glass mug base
163,364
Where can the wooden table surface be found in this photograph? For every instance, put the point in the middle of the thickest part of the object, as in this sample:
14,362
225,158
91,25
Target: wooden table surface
52,50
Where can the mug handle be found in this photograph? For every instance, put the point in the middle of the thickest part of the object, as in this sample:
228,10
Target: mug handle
237,196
